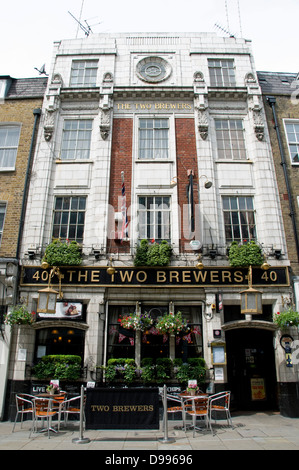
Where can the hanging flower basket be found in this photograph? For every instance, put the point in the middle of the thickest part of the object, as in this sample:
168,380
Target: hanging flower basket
136,321
286,319
19,316
172,323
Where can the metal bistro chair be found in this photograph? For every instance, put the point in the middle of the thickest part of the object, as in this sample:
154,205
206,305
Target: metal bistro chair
220,402
179,408
24,405
200,409
43,410
57,400
71,407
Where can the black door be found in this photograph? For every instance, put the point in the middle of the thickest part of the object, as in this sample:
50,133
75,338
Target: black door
251,369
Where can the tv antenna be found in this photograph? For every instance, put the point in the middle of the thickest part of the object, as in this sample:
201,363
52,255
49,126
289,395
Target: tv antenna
224,30
87,29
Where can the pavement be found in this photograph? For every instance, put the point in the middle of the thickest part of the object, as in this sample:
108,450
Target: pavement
250,431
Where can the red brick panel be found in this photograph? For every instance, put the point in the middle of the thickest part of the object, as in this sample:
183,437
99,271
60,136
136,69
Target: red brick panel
186,160
121,160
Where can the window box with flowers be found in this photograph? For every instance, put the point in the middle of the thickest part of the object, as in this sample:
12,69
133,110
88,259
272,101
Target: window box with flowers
172,323
19,315
136,321
286,319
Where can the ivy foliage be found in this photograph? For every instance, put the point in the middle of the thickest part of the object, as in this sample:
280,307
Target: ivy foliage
245,255
60,253
156,254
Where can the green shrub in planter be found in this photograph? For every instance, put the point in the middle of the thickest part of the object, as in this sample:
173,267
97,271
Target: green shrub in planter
245,255
60,253
126,367
62,367
157,254
194,369
141,253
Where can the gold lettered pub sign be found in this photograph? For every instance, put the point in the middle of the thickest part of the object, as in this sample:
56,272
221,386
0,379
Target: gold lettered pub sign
80,276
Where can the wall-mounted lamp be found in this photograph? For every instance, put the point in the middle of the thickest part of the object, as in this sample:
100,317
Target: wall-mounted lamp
277,253
31,253
208,184
174,182
96,253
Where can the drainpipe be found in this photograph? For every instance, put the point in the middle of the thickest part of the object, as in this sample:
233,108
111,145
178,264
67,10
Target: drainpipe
36,113
272,100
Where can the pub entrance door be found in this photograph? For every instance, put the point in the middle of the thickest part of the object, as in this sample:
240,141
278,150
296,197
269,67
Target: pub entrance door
251,369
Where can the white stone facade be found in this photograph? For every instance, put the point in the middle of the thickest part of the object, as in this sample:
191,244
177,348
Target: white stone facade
185,92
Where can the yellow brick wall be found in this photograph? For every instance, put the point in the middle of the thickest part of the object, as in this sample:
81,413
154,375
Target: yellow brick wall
285,109
12,183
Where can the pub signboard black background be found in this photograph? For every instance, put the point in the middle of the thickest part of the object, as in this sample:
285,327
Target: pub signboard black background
122,408
156,277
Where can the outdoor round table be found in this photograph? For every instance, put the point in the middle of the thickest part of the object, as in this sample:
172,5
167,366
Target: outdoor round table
187,396
50,397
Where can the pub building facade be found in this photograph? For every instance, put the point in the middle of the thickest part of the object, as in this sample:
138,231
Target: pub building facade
157,137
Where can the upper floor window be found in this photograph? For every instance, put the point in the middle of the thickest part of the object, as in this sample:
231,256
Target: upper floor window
230,139
84,73
9,141
76,139
69,217
154,218
2,217
153,138
239,219
292,131
222,72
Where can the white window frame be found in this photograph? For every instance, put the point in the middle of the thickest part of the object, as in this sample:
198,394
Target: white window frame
234,151
83,79
221,79
153,211
3,206
5,145
65,139
67,213
155,156
238,210
289,142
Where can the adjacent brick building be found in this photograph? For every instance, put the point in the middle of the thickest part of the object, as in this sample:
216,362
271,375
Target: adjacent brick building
20,110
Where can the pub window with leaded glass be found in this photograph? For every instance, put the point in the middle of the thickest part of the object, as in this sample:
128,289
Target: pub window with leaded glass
69,218
121,341
189,343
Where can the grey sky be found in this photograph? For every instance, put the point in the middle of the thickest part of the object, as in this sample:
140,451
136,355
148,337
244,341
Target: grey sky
29,28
